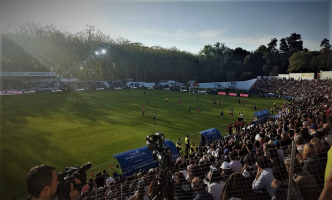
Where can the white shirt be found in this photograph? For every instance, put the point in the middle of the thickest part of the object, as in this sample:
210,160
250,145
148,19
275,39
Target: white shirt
215,189
235,165
184,172
264,181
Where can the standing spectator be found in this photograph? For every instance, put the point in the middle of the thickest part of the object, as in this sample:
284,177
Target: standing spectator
215,184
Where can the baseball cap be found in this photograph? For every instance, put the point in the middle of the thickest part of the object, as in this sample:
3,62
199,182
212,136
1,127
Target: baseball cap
277,143
225,165
314,126
226,151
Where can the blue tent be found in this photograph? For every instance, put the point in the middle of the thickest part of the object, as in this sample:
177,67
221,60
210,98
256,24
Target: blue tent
210,135
141,158
262,115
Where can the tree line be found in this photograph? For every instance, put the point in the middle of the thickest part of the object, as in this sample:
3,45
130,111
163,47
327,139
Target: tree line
34,47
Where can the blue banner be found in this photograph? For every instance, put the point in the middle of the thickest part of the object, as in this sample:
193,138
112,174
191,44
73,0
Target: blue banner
211,134
141,158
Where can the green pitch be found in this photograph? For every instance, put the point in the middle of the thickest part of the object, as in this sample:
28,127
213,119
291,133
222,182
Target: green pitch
48,128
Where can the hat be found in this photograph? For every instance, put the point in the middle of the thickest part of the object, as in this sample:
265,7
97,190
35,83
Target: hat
277,143
314,126
226,151
225,165
299,139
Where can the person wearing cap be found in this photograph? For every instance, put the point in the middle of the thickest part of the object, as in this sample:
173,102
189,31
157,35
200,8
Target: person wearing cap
313,129
178,145
187,143
226,171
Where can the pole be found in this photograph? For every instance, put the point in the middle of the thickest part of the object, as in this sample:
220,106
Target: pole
291,174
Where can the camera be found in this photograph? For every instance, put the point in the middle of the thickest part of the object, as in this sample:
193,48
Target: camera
160,152
164,156
68,176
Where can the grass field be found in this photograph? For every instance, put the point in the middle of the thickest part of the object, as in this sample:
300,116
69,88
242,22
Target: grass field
47,128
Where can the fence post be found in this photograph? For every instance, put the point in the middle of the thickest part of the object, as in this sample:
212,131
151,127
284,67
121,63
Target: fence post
291,174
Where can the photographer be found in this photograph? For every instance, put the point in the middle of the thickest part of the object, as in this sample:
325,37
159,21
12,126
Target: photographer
42,182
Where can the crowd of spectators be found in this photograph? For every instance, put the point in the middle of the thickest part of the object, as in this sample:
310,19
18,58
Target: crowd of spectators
252,163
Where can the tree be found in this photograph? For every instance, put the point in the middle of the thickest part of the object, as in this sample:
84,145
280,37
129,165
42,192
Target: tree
272,45
295,43
325,45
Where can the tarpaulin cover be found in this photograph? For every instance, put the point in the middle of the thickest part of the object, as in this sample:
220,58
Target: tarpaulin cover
262,115
211,134
141,158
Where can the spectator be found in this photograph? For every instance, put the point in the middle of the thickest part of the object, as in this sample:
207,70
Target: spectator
264,178
182,187
304,180
200,193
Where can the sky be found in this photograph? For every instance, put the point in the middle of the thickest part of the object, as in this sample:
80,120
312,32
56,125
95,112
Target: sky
186,25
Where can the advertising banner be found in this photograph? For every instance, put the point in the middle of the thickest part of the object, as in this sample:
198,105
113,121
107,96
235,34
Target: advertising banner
221,93
141,158
3,92
244,95
232,94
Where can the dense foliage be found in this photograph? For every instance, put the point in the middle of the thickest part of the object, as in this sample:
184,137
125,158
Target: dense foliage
33,47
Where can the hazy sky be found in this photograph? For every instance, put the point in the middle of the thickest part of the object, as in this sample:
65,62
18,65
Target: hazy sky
188,25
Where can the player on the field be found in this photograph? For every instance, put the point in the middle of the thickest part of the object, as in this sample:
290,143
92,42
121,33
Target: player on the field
189,109
222,113
211,98
154,117
255,108
144,92
229,128
147,101
239,104
196,97
76,102
239,117
179,101
231,111
167,100
243,102
143,110
214,103
199,109
219,102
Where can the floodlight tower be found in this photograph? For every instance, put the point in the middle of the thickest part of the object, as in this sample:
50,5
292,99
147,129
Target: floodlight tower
89,30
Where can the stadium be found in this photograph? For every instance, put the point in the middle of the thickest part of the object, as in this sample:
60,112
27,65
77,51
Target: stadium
85,116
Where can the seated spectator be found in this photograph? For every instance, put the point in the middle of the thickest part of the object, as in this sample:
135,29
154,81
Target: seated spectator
200,193
304,180
235,165
264,178
182,187
281,185
215,184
